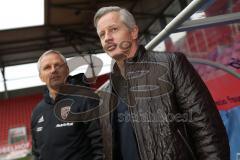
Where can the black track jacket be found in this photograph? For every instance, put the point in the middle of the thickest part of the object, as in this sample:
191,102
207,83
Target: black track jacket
53,139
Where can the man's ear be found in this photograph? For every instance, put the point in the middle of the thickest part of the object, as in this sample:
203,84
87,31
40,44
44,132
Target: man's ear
66,78
40,76
68,72
134,32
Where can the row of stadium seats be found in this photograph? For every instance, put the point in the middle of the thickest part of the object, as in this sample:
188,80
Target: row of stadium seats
16,112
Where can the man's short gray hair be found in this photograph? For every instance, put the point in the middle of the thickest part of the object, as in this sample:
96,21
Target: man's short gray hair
47,53
126,16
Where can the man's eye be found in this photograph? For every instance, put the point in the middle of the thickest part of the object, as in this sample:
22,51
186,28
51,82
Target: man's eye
46,68
101,35
114,29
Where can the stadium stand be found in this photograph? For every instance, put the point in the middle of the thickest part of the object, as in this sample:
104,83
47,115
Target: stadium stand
16,112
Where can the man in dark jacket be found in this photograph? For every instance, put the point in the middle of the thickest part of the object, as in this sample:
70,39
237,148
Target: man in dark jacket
52,138
164,110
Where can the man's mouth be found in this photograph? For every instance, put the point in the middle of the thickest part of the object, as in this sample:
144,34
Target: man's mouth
55,77
110,47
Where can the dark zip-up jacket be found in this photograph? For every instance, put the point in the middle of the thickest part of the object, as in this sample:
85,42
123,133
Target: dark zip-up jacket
53,139
172,112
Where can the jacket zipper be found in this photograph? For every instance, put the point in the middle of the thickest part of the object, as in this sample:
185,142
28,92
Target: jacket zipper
186,143
134,129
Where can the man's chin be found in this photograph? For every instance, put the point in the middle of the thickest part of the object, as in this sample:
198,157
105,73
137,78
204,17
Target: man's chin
56,85
119,57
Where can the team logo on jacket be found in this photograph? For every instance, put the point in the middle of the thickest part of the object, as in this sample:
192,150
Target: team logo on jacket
65,111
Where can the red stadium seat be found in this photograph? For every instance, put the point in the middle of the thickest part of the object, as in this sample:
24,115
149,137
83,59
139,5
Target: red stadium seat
16,112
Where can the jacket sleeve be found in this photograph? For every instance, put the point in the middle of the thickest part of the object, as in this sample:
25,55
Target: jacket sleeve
205,127
35,151
94,133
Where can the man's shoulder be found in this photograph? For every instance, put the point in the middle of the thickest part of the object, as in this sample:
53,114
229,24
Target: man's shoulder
164,56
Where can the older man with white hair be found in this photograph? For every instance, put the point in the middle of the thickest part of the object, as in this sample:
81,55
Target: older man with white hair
52,138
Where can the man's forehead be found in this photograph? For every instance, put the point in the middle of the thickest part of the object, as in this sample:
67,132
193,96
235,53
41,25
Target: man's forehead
110,26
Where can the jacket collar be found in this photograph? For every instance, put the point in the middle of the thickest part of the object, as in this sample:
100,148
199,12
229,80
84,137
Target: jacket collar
139,54
141,51
47,97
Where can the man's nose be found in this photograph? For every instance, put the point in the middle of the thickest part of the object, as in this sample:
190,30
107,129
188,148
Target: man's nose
53,69
108,37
